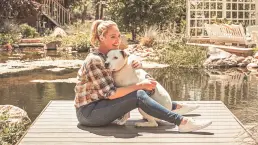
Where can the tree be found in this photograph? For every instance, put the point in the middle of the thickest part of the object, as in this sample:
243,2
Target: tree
15,8
80,9
134,15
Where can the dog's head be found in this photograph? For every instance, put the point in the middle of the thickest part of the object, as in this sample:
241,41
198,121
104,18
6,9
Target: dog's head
116,59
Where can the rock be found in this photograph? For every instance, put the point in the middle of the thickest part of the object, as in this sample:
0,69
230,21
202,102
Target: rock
15,115
215,53
248,60
56,69
252,65
13,123
58,32
241,64
240,59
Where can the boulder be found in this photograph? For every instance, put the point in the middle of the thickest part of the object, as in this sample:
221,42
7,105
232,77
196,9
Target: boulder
216,53
58,32
15,115
13,123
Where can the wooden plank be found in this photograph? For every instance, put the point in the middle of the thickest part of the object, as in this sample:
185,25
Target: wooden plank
82,143
39,123
140,140
57,124
146,135
116,132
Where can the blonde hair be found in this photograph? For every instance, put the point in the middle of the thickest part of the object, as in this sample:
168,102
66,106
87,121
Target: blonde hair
99,28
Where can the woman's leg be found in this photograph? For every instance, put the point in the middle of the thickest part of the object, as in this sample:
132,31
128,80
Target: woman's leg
104,112
174,105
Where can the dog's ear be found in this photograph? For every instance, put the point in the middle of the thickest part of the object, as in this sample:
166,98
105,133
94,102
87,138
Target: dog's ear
124,54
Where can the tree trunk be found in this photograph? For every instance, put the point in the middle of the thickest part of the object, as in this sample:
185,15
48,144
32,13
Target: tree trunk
97,10
84,13
101,10
133,34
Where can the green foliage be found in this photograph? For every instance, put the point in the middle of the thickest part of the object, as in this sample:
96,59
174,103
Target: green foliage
134,16
177,53
28,31
78,37
79,41
10,133
9,32
15,8
8,38
81,9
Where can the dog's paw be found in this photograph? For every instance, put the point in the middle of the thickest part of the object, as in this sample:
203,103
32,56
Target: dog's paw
120,122
146,124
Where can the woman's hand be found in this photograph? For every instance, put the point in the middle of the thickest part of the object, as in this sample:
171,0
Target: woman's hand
147,84
136,64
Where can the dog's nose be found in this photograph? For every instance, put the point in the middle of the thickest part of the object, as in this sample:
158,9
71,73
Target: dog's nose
106,64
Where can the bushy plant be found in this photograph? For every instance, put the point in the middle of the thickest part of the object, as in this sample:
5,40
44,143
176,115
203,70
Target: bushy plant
78,37
10,133
9,32
177,53
79,42
28,31
149,36
8,38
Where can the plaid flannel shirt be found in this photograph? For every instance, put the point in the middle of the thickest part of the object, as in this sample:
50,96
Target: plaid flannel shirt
95,82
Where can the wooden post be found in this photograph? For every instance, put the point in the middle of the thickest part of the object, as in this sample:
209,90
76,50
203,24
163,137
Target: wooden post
188,17
224,8
256,12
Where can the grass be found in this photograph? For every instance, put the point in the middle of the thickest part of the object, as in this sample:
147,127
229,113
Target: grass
171,48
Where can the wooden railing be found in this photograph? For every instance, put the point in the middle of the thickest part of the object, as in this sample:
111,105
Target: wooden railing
55,11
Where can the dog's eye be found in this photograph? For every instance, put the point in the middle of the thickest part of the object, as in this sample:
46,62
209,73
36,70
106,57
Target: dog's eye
115,57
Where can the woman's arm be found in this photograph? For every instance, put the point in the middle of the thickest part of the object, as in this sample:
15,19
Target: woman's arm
147,84
104,83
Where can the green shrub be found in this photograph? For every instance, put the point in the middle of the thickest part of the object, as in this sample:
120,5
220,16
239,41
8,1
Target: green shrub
78,37
9,38
10,133
28,31
9,32
177,53
79,42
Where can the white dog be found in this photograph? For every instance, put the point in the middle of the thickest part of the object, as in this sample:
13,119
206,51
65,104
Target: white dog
124,75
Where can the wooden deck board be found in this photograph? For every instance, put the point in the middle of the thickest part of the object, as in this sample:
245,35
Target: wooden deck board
57,124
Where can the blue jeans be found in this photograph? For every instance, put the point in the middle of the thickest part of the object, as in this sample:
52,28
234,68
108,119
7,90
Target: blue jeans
103,112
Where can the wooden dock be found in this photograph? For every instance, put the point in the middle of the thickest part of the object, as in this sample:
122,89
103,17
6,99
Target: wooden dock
57,124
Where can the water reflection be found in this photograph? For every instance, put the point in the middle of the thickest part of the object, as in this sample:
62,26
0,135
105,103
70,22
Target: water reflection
233,87
13,55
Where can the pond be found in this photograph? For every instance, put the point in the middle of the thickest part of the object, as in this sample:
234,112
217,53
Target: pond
234,87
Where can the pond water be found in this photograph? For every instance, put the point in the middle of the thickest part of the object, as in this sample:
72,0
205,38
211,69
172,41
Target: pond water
234,87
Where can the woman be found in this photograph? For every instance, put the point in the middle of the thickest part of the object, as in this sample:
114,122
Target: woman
98,102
